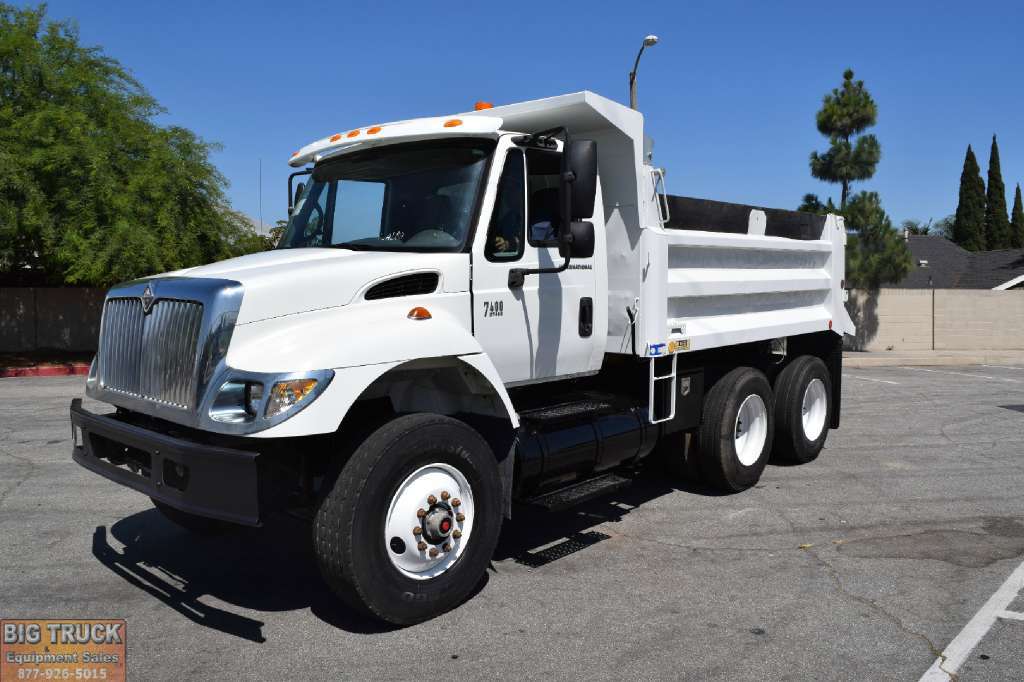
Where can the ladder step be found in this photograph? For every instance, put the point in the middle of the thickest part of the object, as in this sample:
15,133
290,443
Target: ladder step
563,498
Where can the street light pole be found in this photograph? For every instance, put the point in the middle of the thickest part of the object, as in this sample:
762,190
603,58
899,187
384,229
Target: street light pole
648,41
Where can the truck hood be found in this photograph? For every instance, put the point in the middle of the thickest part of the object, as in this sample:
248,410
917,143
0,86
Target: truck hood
289,281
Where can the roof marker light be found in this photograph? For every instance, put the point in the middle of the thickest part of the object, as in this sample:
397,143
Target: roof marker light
481,105
452,122
353,133
373,131
419,313
335,137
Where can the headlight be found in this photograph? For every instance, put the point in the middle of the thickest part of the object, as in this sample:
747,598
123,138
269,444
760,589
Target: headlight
287,394
247,402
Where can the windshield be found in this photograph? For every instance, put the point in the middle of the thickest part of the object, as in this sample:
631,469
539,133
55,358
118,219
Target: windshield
409,197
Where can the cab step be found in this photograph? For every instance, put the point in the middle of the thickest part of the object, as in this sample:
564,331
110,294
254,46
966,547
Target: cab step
563,498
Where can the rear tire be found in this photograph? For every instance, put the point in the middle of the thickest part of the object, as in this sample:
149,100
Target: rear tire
803,409
373,562
736,430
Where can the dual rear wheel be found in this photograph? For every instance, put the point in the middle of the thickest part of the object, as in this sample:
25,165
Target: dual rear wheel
744,422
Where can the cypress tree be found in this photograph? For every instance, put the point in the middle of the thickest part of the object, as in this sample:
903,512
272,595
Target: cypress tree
1017,223
969,223
997,225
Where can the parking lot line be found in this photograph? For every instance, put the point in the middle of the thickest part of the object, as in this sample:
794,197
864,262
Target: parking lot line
877,381
963,374
954,655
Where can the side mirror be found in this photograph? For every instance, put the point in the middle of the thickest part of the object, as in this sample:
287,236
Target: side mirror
582,239
299,189
580,159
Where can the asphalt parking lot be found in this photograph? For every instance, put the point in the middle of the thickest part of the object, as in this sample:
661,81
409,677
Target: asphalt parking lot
864,564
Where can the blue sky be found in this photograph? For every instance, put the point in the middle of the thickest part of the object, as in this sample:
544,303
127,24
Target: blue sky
729,94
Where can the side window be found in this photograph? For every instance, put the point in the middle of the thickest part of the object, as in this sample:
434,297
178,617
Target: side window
543,169
505,234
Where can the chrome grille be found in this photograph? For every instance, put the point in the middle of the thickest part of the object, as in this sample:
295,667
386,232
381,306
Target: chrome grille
151,356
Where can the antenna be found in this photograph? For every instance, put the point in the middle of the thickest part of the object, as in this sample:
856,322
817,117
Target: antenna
259,192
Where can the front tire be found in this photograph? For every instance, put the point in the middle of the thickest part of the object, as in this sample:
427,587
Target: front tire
736,430
410,524
803,409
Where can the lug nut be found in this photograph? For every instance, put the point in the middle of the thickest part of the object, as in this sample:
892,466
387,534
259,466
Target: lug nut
456,502
445,495
456,533
433,552
431,499
421,546
460,517
447,546
417,530
420,513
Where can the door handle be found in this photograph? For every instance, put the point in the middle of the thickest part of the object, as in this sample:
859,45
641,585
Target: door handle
586,316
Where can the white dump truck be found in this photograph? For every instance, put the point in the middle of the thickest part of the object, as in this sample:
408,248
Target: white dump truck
465,312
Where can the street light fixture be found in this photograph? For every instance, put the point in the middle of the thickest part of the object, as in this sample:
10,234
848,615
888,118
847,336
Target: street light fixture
648,42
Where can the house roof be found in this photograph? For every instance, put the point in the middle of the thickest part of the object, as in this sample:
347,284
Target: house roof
951,267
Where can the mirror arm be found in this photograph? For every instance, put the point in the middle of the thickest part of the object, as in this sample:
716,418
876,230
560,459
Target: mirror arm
517,276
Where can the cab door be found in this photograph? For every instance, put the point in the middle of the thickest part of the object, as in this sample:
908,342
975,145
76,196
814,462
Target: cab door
545,328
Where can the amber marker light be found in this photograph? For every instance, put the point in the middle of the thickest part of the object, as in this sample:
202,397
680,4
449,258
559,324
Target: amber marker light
481,105
294,154
335,137
373,131
352,133
419,313
451,123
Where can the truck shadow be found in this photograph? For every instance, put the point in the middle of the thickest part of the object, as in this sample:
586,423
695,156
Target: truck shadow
273,569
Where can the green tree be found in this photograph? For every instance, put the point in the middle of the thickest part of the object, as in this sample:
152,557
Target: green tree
812,204
997,225
916,227
1017,222
875,253
92,191
944,227
846,112
969,222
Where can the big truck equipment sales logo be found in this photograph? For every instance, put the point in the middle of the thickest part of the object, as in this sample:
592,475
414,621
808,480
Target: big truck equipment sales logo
62,650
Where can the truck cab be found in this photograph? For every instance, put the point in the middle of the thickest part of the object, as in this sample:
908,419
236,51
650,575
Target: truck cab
466,312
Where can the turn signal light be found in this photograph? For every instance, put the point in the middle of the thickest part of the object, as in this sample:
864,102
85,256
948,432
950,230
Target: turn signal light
451,123
419,313
480,106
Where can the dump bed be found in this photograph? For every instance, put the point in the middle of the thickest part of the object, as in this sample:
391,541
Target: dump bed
721,274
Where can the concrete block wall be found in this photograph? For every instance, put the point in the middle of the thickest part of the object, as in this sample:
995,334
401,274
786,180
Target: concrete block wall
979,320
49,318
937,319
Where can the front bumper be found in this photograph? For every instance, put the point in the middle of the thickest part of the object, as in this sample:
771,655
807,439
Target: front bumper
206,480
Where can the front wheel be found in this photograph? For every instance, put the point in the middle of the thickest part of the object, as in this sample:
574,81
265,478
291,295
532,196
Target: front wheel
410,524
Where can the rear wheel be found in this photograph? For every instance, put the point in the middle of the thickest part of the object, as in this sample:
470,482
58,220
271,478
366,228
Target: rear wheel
411,522
736,430
803,408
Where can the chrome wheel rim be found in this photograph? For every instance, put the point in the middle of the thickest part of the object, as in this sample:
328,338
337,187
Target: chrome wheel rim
814,409
750,430
429,521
